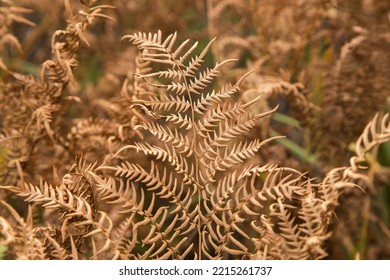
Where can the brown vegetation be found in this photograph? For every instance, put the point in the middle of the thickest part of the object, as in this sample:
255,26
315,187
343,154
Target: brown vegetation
156,146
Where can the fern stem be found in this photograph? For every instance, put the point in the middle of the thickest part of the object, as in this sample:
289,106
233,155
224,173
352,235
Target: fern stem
196,174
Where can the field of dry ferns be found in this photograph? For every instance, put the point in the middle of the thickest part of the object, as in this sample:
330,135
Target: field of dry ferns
213,129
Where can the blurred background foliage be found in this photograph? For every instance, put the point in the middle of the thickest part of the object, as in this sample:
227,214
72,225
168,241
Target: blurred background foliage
326,63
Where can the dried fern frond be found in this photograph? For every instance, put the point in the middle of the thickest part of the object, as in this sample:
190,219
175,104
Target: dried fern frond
9,14
32,104
203,181
353,94
174,158
76,216
24,242
376,132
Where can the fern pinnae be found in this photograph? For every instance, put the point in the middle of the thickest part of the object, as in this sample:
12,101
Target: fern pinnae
225,217
25,236
287,225
375,132
228,131
166,135
167,102
43,116
177,161
203,104
122,245
166,187
181,122
156,234
228,111
237,155
179,49
7,232
206,77
196,61
59,251
125,196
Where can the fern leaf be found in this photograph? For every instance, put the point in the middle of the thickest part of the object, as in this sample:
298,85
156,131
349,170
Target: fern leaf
206,77
181,143
237,155
43,116
195,62
166,103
